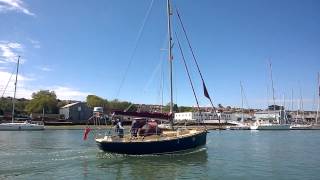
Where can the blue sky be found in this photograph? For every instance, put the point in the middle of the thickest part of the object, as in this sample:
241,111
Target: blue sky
78,48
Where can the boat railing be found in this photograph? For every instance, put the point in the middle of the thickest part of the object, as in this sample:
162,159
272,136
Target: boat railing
34,122
138,133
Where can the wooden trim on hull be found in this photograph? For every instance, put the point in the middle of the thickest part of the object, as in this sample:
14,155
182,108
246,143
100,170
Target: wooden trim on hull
155,147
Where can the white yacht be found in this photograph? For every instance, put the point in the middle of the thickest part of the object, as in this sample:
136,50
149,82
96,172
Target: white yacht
270,126
300,126
20,126
17,126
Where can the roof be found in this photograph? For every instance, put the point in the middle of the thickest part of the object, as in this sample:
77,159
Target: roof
69,105
267,112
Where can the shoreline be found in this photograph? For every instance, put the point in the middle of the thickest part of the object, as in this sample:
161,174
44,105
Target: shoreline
82,127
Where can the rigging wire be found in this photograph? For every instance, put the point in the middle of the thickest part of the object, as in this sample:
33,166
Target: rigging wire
245,97
160,91
4,91
152,77
194,57
187,70
135,47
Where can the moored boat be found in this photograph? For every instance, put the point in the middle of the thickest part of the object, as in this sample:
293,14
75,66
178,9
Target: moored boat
301,127
270,127
19,126
23,126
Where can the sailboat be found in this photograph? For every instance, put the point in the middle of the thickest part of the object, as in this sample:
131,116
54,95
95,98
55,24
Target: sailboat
162,141
316,126
19,126
268,125
240,125
300,125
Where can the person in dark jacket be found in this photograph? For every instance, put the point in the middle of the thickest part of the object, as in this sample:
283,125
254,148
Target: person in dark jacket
119,128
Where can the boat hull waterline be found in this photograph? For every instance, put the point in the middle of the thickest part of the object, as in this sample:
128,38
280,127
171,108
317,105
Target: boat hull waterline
154,147
20,127
271,127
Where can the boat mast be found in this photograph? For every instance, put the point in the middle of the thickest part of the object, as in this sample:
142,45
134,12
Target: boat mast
318,98
274,101
291,100
15,90
284,120
170,54
301,105
242,115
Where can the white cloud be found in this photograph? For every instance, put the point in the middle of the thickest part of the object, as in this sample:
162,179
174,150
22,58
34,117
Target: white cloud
46,69
68,93
14,5
35,43
8,78
62,92
9,51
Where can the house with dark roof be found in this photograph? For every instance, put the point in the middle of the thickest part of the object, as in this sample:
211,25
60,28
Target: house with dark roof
77,113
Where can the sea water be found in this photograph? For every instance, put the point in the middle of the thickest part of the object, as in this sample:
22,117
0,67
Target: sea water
62,154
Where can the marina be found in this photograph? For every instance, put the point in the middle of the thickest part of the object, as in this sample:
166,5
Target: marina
150,90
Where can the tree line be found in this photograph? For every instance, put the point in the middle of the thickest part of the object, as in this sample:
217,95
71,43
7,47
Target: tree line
47,100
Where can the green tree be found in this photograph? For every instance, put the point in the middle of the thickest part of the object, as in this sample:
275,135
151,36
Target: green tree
62,103
96,101
175,108
43,99
121,105
21,105
220,106
185,109
6,104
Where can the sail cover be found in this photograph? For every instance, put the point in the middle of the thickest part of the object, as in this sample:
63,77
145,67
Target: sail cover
155,115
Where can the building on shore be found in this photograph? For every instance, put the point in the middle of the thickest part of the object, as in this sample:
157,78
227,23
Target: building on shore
303,117
271,116
210,117
77,112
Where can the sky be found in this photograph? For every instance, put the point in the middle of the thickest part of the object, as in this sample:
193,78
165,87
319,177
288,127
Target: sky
118,49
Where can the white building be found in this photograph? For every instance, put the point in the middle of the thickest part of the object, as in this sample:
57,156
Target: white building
278,116
203,116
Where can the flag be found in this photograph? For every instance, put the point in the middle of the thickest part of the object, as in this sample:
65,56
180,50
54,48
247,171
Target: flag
206,94
86,132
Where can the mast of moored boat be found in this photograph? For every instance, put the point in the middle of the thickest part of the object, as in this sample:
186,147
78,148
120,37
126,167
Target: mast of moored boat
292,102
274,101
170,58
242,115
301,105
15,90
318,98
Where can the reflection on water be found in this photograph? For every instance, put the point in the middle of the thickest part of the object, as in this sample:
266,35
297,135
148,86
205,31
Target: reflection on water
166,166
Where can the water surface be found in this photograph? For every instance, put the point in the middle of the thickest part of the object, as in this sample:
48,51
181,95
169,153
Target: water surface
62,154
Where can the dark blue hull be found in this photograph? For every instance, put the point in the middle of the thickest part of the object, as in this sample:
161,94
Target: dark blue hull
155,147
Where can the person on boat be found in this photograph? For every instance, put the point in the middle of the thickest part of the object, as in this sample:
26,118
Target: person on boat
134,128
150,128
119,128
136,125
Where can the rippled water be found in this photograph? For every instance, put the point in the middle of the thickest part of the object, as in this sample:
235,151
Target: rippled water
61,154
